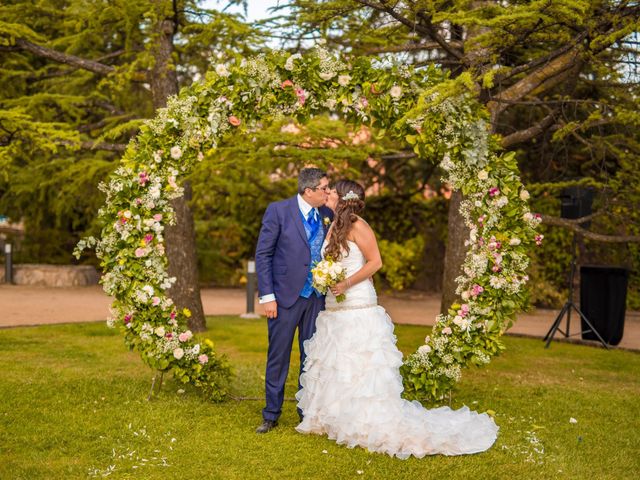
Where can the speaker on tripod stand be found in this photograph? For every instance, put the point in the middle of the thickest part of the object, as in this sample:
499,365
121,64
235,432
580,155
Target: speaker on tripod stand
575,202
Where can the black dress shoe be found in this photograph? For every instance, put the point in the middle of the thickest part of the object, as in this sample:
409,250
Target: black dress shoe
301,417
267,426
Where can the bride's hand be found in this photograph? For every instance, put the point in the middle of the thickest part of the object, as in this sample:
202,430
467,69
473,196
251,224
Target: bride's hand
340,287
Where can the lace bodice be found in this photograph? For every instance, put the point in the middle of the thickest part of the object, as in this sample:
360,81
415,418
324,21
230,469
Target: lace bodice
360,294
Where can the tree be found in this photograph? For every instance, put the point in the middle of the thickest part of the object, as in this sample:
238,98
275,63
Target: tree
78,80
545,55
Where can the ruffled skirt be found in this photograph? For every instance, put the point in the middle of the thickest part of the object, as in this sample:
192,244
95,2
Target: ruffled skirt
351,388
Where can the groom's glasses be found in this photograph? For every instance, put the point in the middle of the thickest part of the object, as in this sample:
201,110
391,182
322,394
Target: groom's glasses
326,188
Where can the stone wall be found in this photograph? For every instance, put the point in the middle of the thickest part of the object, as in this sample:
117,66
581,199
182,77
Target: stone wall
53,275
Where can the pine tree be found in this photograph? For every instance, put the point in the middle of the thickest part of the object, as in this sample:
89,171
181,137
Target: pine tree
550,72
77,79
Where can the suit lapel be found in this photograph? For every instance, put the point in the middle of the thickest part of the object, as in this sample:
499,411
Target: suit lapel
297,219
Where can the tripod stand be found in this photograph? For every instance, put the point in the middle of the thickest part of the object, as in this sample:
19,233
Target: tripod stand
570,305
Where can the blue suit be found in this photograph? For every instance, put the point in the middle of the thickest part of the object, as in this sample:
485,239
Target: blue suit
283,262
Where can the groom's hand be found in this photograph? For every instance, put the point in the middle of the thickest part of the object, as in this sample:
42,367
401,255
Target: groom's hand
271,309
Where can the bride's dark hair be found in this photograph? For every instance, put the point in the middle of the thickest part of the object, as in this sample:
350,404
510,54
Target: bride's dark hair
347,211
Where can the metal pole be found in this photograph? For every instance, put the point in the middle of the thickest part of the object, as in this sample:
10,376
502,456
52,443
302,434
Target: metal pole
251,290
8,264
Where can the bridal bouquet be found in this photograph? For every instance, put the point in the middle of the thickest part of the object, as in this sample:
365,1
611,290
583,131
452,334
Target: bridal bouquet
326,274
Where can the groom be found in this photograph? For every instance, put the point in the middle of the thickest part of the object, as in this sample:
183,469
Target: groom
290,242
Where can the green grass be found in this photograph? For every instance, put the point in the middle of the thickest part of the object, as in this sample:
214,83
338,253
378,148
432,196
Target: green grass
73,403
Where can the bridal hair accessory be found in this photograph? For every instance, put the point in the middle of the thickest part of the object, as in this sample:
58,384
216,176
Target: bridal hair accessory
351,196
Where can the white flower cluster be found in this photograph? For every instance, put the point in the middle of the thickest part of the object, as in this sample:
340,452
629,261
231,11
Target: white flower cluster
326,274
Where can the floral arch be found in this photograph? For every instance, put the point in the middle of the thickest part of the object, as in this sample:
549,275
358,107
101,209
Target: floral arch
437,116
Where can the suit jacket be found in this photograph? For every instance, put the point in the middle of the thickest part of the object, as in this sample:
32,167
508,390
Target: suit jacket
283,255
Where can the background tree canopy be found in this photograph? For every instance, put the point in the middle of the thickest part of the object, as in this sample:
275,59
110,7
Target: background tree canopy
559,78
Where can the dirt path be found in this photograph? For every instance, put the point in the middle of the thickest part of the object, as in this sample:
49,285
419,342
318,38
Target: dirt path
23,305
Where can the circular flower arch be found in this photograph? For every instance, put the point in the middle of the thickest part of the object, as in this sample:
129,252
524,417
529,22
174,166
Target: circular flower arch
438,116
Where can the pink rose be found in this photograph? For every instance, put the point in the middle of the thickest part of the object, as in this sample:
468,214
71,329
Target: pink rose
148,237
539,239
172,315
446,331
127,318
140,252
157,217
476,290
184,336
302,95
143,178
233,120
493,191
203,359
287,83
169,335
155,301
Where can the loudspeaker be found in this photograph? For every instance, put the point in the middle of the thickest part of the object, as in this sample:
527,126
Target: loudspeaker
603,298
575,202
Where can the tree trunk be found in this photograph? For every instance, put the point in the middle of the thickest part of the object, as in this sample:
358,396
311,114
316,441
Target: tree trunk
180,238
455,252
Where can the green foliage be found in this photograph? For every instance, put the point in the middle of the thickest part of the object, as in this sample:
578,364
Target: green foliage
56,119
401,261
233,185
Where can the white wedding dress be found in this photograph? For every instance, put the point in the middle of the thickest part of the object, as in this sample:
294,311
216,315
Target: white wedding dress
351,385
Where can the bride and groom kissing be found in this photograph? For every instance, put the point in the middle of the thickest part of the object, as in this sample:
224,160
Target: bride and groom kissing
349,385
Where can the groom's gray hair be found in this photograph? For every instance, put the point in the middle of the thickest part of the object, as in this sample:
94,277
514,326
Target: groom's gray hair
309,178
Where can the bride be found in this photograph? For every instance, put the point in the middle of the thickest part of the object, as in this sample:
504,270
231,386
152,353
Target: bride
351,384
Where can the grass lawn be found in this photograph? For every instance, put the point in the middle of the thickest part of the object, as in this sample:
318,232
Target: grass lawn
73,405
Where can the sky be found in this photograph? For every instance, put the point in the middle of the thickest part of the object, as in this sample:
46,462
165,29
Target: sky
256,9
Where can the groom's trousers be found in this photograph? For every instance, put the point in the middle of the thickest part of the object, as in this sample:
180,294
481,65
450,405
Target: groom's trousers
302,316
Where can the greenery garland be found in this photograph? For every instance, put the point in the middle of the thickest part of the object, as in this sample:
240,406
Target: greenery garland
436,115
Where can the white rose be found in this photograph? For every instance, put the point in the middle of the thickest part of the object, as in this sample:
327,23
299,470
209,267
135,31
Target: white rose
222,70
524,195
127,214
176,152
159,331
465,295
424,349
483,175
154,192
148,289
288,65
344,80
457,320
528,216
327,75
514,241
396,91
178,353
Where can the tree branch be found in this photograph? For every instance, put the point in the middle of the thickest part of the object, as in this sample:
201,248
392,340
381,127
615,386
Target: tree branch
549,75
409,47
67,59
428,29
529,133
574,225
109,147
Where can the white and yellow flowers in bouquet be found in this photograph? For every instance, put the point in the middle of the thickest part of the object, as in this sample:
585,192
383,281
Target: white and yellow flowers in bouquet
326,274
